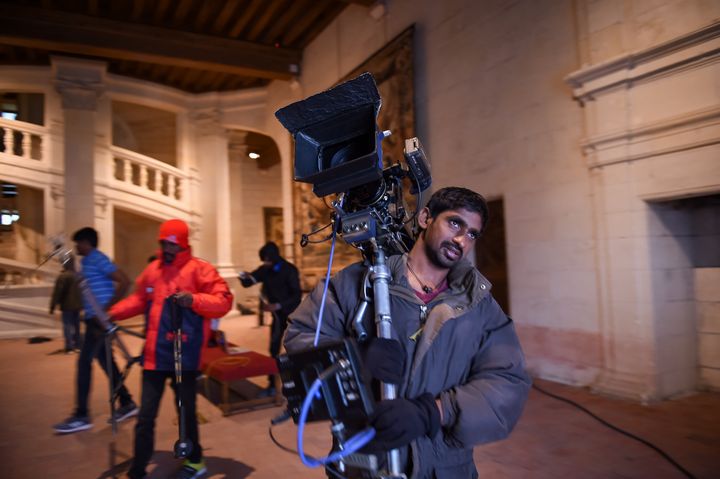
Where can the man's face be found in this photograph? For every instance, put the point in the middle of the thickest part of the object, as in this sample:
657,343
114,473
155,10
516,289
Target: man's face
450,235
83,247
169,251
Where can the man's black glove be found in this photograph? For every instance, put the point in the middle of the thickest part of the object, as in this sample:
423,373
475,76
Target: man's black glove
399,421
384,359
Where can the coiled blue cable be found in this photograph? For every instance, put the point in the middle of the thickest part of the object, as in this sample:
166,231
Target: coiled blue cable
358,440
349,447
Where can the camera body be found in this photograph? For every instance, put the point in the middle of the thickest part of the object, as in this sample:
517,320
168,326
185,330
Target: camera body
345,395
338,150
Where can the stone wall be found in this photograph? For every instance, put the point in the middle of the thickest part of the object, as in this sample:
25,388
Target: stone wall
494,85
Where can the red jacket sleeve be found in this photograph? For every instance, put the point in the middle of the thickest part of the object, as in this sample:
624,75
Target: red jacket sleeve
213,299
132,305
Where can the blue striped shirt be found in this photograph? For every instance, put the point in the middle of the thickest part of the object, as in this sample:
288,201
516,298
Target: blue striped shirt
97,268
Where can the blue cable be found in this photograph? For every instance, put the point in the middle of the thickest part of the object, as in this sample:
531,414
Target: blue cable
325,290
358,440
349,447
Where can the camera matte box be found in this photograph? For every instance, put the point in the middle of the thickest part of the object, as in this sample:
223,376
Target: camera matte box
335,136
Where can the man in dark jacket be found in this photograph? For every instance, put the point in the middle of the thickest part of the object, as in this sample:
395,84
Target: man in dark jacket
454,354
280,292
66,295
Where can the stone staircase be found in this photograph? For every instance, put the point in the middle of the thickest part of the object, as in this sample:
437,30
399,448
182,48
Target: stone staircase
24,300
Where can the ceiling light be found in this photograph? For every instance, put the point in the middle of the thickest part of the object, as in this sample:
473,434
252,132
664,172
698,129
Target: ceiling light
254,155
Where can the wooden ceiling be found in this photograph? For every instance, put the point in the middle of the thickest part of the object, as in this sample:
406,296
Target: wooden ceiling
193,45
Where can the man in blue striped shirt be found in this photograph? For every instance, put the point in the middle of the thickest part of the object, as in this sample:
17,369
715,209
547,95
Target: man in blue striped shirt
108,284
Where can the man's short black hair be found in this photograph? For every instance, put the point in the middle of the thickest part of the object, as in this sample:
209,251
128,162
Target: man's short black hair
270,252
455,198
86,234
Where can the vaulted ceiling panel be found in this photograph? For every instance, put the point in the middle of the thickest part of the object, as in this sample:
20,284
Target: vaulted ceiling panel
193,45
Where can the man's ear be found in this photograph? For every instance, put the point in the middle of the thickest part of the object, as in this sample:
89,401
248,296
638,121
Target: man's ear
424,218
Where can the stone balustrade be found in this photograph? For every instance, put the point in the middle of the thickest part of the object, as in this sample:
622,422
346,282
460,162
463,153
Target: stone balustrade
14,272
148,176
21,139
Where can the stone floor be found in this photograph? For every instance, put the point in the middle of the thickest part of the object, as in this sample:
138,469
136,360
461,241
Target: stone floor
553,439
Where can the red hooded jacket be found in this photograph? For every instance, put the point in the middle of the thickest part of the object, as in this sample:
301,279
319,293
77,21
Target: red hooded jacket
211,299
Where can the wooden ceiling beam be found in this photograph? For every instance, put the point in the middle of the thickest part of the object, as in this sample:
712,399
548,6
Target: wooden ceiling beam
81,34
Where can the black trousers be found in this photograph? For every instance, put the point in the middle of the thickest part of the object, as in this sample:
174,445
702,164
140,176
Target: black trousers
279,324
153,386
276,332
93,346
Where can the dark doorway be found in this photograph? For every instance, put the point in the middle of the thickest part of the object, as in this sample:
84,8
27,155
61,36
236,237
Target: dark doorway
491,254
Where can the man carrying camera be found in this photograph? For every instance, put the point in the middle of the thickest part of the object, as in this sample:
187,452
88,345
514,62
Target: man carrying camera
454,354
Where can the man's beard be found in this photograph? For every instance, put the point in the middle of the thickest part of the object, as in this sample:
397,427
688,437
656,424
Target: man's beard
440,260
168,257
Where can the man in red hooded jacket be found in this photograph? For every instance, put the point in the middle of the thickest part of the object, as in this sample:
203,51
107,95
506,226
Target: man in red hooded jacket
202,294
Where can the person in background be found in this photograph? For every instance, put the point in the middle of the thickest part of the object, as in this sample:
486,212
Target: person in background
107,283
280,292
179,279
66,296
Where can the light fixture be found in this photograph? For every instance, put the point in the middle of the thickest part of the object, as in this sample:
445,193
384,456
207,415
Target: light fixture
254,155
8,217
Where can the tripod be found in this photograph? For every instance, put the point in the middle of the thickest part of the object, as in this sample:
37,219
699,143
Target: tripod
379,274
110,335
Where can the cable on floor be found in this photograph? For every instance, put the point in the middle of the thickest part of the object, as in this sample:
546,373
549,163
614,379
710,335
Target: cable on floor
652,446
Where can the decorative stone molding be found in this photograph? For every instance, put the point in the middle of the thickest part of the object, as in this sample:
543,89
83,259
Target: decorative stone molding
80,83
207,122
56,192
101,201
674,134
689,51
79,95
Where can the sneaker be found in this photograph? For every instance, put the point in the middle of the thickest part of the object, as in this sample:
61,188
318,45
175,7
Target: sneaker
73,424
191,470
125,412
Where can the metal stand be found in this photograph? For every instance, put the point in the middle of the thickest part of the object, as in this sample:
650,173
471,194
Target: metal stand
183,447
379,274
383,321
110,334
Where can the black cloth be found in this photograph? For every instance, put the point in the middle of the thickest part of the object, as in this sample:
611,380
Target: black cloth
93,346
384,359
399,421
280,284
153,386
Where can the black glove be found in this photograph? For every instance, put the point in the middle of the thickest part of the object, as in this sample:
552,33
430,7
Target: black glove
399,421
384,359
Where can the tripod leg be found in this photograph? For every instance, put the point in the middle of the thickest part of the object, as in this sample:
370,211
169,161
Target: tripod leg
111,380
183,447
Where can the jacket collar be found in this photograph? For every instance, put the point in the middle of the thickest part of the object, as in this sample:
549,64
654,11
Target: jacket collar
180,259
465,283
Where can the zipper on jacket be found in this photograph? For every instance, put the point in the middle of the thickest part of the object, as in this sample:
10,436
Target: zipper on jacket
423,317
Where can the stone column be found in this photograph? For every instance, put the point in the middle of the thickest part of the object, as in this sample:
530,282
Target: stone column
214,195
80,84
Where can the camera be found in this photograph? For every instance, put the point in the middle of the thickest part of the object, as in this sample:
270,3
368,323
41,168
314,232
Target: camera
338,150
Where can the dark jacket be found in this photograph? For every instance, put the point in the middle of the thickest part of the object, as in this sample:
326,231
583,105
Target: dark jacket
280,284
66,293
467,355
211,299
